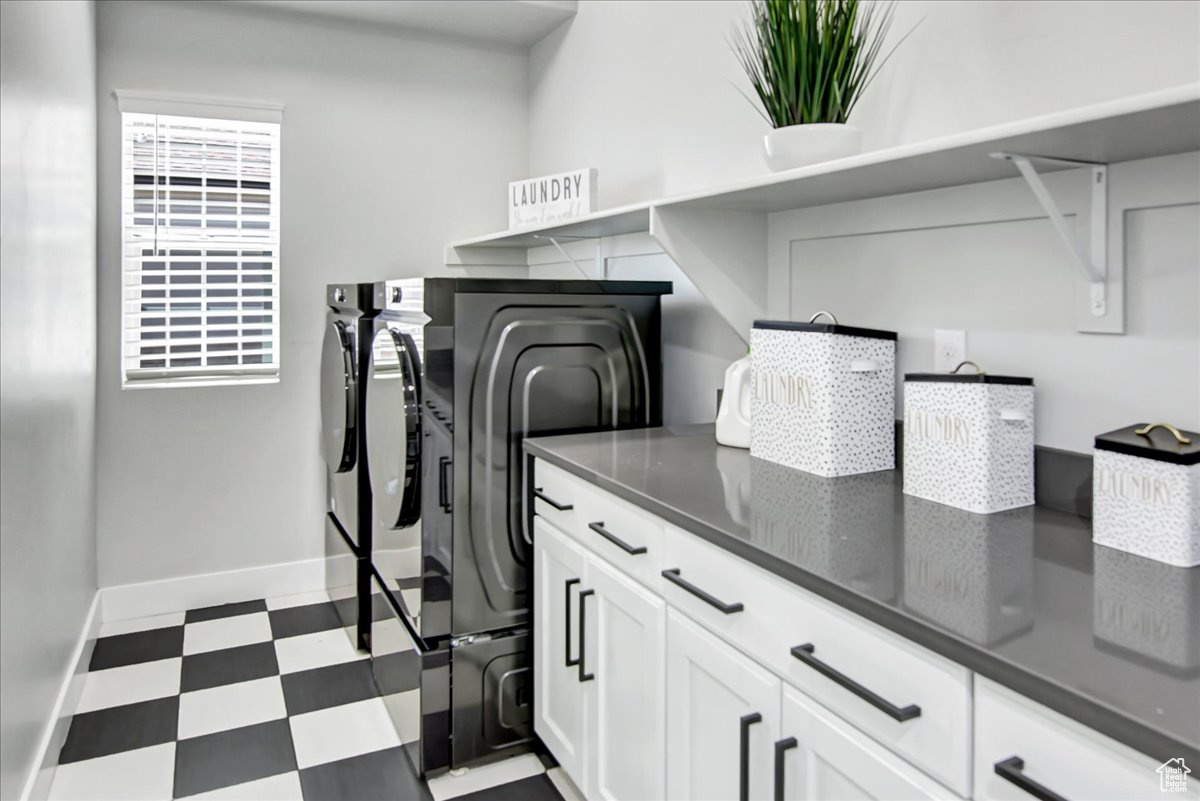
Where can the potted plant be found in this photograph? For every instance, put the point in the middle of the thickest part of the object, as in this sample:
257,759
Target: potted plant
809,62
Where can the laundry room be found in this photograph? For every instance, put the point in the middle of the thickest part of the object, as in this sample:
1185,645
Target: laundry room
623,399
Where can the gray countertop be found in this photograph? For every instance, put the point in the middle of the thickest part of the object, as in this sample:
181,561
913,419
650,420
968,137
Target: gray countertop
1022,597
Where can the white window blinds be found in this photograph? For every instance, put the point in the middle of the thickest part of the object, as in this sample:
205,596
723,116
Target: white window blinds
201,249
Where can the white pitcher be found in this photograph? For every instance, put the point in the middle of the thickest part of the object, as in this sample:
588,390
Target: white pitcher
733,418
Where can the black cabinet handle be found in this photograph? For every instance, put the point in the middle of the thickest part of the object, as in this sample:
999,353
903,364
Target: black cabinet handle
781,748
567,585
672,575
562,507
615,540
583,596
444,484
805,654
1012,770
744,755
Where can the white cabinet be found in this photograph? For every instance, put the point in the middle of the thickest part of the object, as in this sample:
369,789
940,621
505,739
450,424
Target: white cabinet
626,740
558,695
822,758
598,656
722,718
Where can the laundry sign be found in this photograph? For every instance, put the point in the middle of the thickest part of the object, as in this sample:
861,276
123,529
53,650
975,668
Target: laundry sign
551,198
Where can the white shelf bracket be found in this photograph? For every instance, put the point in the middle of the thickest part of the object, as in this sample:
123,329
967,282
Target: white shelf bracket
601,264
1093,262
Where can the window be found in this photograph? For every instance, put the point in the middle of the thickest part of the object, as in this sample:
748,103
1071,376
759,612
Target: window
200,217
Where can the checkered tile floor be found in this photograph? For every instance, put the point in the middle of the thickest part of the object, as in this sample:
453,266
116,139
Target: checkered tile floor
260,700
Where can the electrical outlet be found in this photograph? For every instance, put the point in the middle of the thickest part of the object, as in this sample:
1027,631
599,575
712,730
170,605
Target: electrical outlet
949,349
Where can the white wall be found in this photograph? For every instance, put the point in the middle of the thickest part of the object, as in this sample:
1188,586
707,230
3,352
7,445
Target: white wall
648,93
47,362
392,145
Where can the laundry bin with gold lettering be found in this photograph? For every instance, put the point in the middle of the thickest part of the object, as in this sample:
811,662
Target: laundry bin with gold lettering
823,396
968,439
1146,492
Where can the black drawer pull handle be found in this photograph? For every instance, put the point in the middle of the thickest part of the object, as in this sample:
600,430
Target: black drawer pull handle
583,596
562,507
444,485
744,755
672,575
805,654
1012,770
781,748
568,584
615,540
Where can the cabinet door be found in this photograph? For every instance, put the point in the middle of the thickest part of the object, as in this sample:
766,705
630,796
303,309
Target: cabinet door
626,642
560,712
822,758
714,694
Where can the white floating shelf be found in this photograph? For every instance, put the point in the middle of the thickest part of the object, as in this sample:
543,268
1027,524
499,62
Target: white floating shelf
1144,126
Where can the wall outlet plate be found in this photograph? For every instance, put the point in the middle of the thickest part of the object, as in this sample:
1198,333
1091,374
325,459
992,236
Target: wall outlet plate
949,349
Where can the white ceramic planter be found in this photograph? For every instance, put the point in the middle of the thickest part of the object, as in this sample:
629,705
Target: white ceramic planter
798,145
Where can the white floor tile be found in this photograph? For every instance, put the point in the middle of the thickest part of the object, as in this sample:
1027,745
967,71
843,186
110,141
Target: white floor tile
226,632
129,684
405,709
115,627
340,732
481,778
146,773
562,782
321,648
299,599
284,787
230,707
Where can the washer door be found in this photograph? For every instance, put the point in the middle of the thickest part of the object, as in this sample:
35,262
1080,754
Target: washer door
394,428
338,394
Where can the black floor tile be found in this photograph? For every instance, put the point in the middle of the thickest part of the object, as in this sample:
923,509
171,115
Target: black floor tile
379,776
140,646
232,757
397,673
225,610
348,609
304,620
409,582
228,666
121,728
534,788
321,688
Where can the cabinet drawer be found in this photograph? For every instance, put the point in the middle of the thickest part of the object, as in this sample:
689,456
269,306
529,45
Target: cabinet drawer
628,537
906,697
1034,744
556,495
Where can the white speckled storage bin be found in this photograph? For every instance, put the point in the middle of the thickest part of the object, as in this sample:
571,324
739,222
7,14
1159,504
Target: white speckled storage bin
971,573
824,397
968,440
1146,494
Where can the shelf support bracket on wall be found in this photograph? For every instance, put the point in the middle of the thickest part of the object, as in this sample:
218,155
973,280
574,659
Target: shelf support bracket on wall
1094,261
601,264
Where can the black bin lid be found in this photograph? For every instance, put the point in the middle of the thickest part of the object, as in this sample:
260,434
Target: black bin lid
825,328
1158,443
969,378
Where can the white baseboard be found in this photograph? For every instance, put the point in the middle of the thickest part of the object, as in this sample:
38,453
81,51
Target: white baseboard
37,784
179,594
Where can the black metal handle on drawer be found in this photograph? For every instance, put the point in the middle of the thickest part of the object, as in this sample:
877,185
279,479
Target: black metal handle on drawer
781,748
444,484
615,540
672,575
567,585
562,507
901,713
583,596
744,754
1012,770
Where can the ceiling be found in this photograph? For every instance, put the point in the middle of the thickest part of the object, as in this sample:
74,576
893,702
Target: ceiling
511,22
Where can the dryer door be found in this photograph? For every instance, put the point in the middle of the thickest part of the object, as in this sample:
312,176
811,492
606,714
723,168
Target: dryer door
394,428
338,393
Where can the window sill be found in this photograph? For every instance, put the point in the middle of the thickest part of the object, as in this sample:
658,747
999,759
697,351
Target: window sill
179,383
